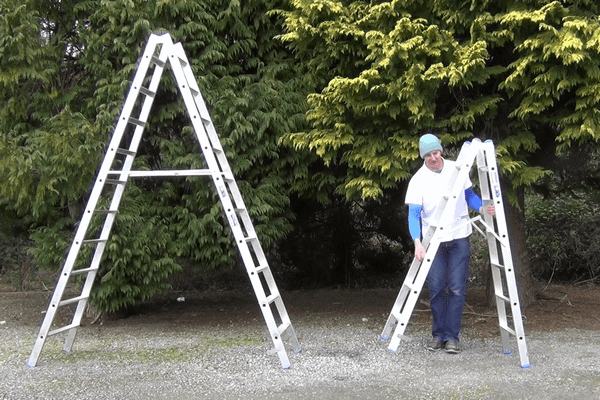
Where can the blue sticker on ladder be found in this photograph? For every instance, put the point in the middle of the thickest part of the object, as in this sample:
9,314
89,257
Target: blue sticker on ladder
222,191
233,220
497,190
496,184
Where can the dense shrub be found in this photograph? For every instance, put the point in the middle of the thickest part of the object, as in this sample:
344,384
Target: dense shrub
562,236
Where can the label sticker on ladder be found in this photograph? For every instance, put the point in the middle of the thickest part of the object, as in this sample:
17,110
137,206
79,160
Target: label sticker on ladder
233,220
496,183
223,191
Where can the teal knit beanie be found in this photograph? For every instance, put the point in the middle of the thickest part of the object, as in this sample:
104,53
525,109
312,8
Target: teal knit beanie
429,143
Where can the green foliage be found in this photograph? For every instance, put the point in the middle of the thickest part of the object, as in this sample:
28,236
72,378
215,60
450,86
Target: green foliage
562,221
66,69
562,236
137,260
15,264
519,73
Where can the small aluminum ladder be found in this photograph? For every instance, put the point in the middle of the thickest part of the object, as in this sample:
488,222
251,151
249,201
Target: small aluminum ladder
115,172
497,236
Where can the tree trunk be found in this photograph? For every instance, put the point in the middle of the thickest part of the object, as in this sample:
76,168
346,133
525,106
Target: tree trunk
515,220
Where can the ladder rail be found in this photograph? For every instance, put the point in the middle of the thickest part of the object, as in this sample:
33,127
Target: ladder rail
493,228
509,271
147,101
86,218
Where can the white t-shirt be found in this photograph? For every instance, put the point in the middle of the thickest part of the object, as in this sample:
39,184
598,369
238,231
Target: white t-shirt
426,188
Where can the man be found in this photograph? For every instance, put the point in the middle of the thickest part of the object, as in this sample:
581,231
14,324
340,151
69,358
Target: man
447,278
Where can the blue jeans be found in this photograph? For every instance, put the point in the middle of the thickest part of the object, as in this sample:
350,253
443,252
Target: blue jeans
450,269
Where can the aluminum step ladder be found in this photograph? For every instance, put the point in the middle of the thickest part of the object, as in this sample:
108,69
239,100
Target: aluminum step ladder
112,179
505,286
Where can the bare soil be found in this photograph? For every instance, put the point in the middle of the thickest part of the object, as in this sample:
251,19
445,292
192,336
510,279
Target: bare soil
556,308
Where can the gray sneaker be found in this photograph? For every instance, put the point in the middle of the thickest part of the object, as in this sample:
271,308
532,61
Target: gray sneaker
434,344
452,347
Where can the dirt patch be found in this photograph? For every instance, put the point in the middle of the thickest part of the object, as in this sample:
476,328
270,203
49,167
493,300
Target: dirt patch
556,308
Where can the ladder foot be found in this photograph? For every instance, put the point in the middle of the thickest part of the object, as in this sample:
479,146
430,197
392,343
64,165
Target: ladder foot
391,351
526,366
298,351
507,352
384,337
288,366
29,365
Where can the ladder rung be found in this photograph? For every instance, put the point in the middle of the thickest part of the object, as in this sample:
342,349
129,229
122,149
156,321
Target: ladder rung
484,168
105,211
116,182
259,268
64,328
497,265
83,271
94,241
158,61
228,177
215,144
272,298
182,61
283,327
249,239
147,92
72,300
503,297
126,152
409,286
136,121
504,326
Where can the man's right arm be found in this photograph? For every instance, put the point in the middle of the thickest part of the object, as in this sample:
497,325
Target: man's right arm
414,227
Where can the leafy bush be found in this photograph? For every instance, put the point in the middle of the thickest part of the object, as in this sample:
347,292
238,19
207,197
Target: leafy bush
562,236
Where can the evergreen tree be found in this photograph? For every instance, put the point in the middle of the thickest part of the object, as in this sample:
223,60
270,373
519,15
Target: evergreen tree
522,73
66,66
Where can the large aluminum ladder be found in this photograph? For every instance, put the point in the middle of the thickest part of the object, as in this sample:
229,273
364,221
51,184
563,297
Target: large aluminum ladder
114,173
505,285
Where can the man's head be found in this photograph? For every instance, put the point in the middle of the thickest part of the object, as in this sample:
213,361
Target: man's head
429,143
430,149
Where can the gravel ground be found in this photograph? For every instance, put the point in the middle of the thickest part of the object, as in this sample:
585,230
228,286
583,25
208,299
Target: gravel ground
338,360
